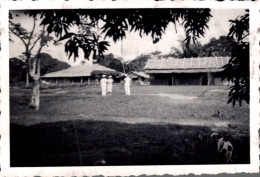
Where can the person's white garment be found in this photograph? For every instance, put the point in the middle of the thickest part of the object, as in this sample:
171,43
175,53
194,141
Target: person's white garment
127,85
109,85
103,83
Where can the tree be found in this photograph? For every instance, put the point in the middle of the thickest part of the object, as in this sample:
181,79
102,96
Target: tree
17,71
217,47
139,62
31,40
237,70
188,50
111,61
49,64
18,68
117,21
85,39
124,63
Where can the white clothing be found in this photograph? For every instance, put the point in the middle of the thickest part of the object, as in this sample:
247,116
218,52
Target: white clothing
127,85
103,83
109,85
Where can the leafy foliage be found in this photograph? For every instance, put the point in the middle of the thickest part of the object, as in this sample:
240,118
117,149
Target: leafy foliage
86,43
187,51
58,21
110,61
98,74
17,71
117,21
216,47
237,70
18,68
31,39
49,64
138,63
61,21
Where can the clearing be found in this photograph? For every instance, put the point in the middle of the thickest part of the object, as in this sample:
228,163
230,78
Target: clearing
156,125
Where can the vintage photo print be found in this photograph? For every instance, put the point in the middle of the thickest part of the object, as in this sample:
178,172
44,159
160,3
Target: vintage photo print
120,88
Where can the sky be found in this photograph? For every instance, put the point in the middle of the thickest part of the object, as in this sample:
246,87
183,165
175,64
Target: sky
133,45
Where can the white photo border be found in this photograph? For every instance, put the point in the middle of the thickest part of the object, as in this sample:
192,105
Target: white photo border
253,167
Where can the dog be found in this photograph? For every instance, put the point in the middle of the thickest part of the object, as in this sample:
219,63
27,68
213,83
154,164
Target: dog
225,150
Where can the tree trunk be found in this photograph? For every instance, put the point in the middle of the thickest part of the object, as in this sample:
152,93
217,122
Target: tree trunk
28,69
35,74
27,79
35,100
90,58
123,67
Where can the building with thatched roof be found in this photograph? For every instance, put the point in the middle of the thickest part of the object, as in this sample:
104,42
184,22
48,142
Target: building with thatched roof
138,75
186,71
80,73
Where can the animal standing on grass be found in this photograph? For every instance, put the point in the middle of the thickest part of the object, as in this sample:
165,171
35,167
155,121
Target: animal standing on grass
103,83
224,149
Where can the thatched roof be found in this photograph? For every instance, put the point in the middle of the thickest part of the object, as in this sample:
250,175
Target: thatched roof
186,65
79,71
139,73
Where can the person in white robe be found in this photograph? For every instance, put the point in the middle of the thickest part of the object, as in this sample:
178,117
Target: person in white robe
103,83
109,85
127,85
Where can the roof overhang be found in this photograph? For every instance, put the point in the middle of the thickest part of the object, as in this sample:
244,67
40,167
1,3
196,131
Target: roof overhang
63,76
183,71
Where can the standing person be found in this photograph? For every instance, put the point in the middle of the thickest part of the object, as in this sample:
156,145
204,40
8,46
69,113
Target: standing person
103,83
109,85
127,85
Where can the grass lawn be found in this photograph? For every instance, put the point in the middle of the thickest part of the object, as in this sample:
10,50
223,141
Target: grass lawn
156,125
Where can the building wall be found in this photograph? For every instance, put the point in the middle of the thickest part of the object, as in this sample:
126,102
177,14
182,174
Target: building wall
186,79
160,79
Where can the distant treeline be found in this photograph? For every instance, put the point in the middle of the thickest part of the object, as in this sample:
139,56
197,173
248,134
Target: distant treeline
216,47
18,68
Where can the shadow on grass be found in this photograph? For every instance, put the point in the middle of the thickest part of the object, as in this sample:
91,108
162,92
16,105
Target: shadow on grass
88,143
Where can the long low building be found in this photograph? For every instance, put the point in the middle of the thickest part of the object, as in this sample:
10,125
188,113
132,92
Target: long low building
80,73
186,71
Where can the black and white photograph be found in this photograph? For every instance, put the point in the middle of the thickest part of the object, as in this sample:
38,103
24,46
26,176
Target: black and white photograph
145,86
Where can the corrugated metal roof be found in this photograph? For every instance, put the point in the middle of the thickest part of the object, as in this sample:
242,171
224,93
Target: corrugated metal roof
186,63
79,71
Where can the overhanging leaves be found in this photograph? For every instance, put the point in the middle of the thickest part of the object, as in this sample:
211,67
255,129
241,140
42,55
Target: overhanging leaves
237,70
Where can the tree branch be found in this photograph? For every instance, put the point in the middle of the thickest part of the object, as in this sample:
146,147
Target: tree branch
30,37
18,36
244,36
34,43
39,37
